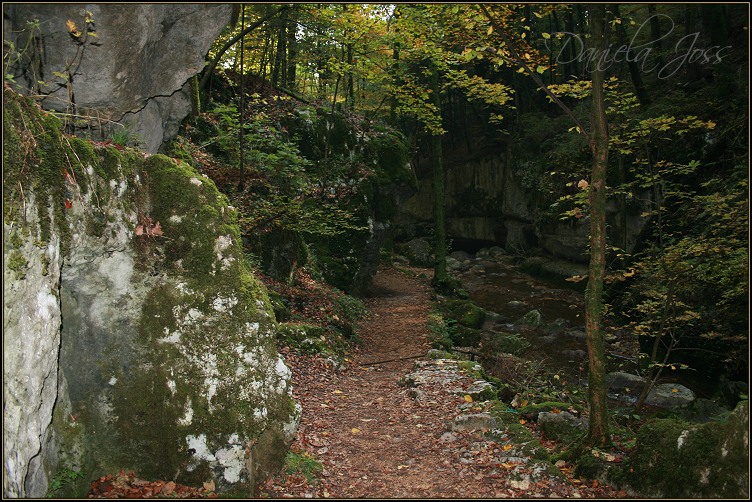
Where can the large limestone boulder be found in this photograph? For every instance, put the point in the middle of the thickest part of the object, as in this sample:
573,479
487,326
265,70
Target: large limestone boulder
134,336
678,460
130,63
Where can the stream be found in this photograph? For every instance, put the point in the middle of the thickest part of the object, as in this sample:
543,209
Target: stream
500,287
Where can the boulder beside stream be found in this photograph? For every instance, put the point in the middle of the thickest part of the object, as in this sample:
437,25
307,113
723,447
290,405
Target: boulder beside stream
678,460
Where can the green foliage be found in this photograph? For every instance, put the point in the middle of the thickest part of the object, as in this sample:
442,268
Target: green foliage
61,479
708,267
124,136
301,463
281,191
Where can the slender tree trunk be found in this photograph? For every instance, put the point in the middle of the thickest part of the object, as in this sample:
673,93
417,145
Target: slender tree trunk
570,68
279,71
440,273
714,21
292,47
396,82
655,34
598,141
210,68
634,68
347,54
597,388
241,184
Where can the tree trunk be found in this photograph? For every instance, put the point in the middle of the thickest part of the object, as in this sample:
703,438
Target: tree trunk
241,165
655,34
292,47
348,56
210,68
279,70
714,21
440,273
597,386
634,68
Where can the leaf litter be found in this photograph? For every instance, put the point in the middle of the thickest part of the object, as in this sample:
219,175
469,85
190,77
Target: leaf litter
361,435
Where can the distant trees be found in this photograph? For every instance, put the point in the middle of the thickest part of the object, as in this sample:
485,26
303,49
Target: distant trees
445,72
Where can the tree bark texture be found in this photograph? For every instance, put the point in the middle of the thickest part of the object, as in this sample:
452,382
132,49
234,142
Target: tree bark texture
597,388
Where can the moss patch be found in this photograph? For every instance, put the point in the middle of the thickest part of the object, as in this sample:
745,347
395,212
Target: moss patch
675,460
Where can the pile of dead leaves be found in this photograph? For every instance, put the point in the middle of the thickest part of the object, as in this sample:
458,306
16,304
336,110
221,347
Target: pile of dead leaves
129,486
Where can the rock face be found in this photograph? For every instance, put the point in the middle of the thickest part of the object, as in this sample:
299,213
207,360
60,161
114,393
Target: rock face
130,63
675,460
498,200
134,336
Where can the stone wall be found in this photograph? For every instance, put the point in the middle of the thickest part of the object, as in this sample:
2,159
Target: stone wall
134,336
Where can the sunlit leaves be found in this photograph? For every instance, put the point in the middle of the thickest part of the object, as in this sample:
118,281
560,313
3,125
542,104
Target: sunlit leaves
72,29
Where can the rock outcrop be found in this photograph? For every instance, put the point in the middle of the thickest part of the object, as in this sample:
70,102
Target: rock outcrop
673,459
105,63
506,200
134,336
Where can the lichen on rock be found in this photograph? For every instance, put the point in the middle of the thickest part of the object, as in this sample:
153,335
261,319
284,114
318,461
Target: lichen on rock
132,278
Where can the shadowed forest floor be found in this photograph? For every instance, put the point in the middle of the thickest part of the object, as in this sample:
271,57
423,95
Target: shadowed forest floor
375,441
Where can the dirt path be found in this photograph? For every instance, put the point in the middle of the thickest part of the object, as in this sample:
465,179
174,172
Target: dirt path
374,440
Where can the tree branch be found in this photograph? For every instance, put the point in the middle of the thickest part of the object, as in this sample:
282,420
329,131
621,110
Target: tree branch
535,77
210,69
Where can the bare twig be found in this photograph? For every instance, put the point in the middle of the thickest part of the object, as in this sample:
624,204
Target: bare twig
392,360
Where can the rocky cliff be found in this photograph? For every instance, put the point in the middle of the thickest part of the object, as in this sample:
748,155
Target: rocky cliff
106,66
507,198
134,336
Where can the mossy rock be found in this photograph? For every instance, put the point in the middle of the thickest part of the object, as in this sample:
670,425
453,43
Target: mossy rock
465,312
450,286
510,428
508,343
674,459
418,251
562,426
178,151
304,337
281,311
549,406
462,336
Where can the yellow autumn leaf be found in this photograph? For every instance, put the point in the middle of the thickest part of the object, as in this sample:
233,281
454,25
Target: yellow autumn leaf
507,447
355,430
524,403
338,392
72,28
674,390
468,398
523,421
490,30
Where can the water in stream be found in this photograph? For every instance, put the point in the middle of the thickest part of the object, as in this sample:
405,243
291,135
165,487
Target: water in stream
504,290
